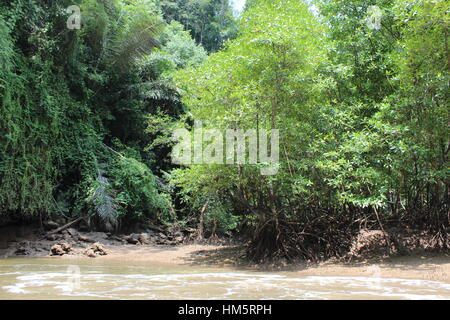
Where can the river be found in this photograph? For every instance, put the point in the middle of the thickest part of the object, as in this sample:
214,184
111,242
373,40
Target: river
47,278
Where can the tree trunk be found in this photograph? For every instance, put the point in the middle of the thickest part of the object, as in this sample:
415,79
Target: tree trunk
200,232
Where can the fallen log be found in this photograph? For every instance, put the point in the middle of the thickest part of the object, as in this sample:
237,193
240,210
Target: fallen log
65,226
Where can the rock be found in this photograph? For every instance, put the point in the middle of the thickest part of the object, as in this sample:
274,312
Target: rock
162,236
66,235
60,249
21,252
117,238
72,232
96,249
85,239
179,239
161,241
56,250
90,253
144,238
133,239
50,225
66,247
166,242
178,234
51,237
151,233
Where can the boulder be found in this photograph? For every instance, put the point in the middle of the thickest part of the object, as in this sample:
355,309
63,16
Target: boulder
144,238
179,239
60,249
51,237
132,239
90,253
66,235
151,233
85,239
117,238
72,232
96,249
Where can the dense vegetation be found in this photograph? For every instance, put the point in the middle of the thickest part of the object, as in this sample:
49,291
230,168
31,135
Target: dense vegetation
363,113
75,107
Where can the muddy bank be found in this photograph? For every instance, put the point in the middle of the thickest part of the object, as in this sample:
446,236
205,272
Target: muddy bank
34,242
155,245
433,267
157,248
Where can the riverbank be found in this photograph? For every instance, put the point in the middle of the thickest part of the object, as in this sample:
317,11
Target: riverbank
207,273
176,249
431,267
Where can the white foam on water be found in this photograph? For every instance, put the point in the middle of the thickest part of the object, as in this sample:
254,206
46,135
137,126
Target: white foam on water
211,285
15,289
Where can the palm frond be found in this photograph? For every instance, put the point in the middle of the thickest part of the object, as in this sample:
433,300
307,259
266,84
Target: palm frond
156,90
104,203
139,40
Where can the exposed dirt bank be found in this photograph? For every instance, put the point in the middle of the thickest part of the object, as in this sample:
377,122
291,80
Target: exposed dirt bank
156,248
33,242
427,267
423,267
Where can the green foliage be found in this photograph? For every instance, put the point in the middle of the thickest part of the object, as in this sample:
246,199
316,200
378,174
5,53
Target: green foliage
200,185
62,94
363,118
264,79
33,100
100,195
137,191
86,115
211,22
181,48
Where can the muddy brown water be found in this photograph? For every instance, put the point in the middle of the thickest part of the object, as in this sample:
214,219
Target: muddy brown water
47,278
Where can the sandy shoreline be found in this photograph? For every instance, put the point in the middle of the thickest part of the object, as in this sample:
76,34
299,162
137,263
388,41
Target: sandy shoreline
429,267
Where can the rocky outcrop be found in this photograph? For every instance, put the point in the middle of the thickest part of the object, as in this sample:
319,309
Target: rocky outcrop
83,238
97,249
59,249
148,238
60,242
